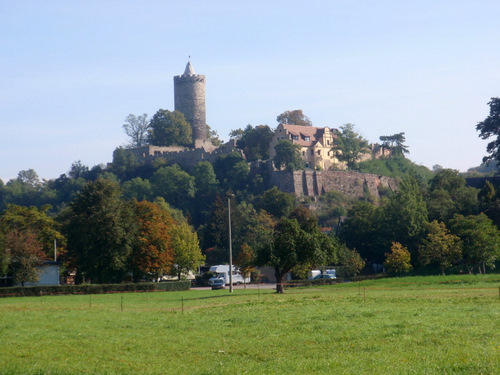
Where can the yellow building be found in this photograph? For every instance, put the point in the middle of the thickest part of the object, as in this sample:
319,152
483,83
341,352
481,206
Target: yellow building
316,144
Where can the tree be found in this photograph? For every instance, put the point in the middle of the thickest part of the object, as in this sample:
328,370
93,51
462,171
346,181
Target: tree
137,188
288,155
100,231
294,246
351,261
170,129
187,253
173,184
28,177
295,117
136,128
251,227
232,171
276,203
349,146
213,137
404,217
78,170
26,254
214,235
37,222
362,230
152,251
490,127
398,260
124,164
245,261
480,240
449,194
255,142
395,143
440,246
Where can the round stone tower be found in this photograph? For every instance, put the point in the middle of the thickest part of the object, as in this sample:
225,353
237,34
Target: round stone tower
189,98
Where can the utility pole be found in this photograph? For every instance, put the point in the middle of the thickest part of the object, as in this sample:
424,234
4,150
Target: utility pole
230,245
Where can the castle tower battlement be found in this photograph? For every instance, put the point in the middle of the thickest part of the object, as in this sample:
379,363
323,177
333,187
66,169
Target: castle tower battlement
189,98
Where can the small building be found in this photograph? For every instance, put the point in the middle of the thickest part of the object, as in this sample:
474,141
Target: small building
49,274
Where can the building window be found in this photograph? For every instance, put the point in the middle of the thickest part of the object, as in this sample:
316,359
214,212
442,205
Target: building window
319,152
312,151
295,137
307,139
303,153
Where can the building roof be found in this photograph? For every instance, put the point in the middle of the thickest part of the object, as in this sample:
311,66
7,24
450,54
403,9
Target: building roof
189,71
307,135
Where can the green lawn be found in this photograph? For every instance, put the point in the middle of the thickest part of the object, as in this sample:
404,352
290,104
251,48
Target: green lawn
417,325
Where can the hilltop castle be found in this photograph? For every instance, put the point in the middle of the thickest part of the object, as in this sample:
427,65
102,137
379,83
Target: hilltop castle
189,98
316,148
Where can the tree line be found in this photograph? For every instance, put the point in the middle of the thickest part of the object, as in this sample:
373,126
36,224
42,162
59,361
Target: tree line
149,210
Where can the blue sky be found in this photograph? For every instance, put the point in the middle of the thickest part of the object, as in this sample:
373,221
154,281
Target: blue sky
71,71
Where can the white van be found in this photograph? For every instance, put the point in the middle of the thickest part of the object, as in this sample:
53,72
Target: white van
222,272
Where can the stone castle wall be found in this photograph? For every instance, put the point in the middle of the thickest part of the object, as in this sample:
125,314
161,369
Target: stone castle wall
185,157
314,183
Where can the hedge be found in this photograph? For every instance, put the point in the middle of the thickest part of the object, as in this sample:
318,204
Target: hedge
296,283
22,291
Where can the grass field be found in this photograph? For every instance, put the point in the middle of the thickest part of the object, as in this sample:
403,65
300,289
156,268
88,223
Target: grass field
417,325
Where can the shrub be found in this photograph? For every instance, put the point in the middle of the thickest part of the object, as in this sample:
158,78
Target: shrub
93,288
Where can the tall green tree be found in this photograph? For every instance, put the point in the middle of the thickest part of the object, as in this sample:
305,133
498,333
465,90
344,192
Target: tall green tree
276,202
293,246
232,171
490,127
405,216
288,155
294,117
480,240
170,129
349,146
395,143
362,231
254,141
449,194
100,231
137,188
174,184
125,164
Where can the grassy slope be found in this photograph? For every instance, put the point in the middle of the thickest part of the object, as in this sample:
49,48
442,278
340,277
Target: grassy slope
433,325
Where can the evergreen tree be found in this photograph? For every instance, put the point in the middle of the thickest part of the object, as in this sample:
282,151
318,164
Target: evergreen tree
100,231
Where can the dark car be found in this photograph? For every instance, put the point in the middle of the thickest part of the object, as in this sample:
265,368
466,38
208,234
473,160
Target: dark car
323,276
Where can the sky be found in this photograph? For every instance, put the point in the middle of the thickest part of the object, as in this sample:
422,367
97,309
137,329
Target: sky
72,71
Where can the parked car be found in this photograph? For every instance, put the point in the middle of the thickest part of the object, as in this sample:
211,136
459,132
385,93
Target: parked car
218,284
324,276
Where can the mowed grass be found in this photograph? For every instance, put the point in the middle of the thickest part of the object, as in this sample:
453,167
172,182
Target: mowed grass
414,325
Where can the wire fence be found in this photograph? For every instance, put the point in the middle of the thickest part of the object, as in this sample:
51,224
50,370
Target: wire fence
203,299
